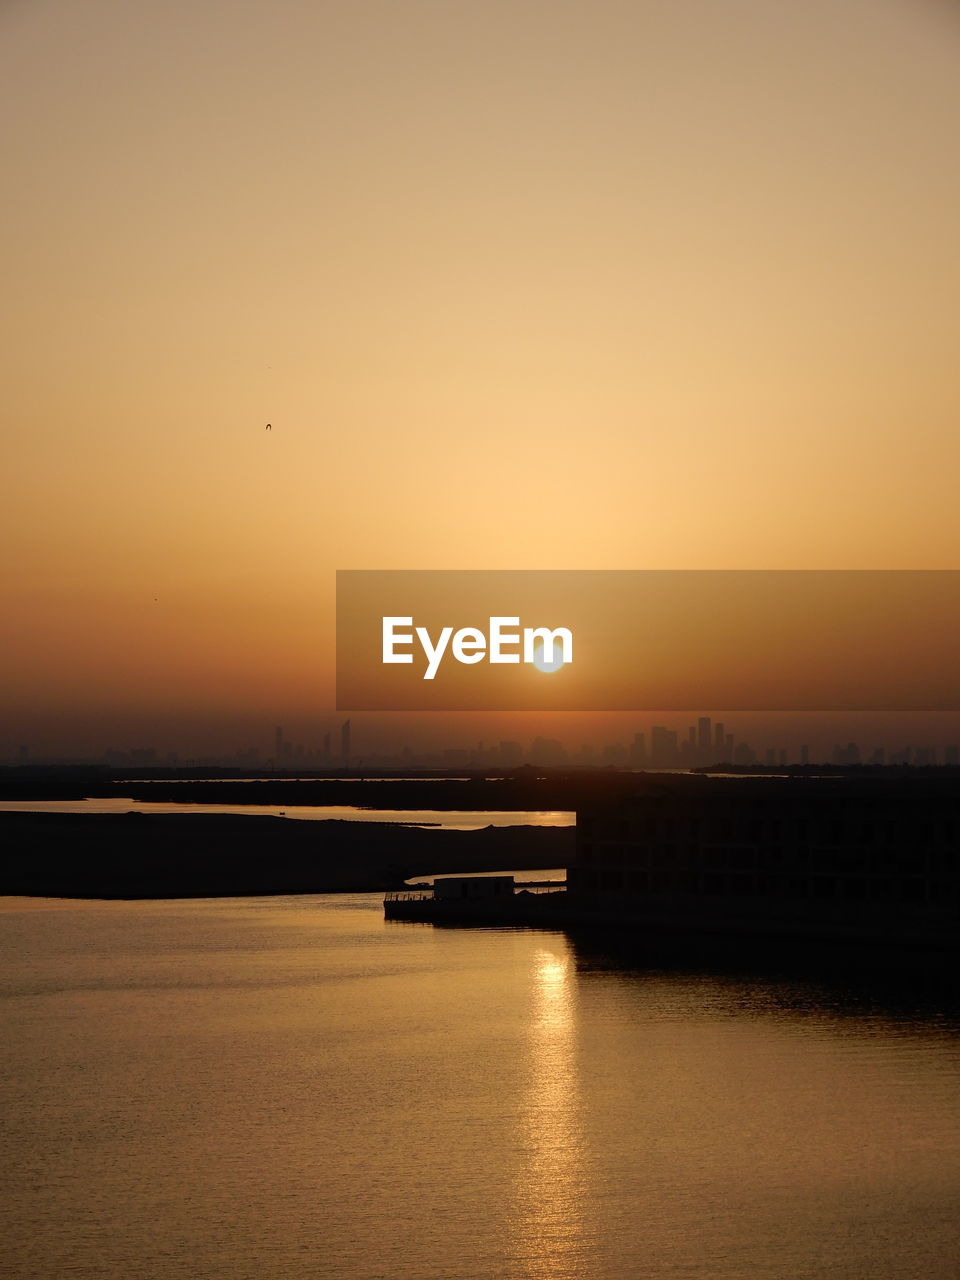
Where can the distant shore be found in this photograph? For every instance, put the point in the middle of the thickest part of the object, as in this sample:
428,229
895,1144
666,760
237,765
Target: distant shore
521,790
525,788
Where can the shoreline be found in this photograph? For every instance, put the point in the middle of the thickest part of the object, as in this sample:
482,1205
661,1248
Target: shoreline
139,856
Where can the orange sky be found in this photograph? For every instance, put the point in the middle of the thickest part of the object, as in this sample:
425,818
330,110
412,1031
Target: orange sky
519,285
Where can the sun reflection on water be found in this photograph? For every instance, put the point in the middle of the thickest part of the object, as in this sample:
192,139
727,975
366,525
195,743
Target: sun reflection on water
549,1241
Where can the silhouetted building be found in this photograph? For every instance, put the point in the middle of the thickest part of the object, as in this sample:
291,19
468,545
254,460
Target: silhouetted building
858,859
663,747
458,888
547,751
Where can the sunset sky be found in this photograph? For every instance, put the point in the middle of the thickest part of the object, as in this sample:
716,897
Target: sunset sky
663,284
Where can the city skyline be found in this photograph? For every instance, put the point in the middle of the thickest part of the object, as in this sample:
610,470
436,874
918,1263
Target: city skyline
659,746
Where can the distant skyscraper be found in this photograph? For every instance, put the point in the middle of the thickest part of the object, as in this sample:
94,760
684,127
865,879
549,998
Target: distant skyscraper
547,751
719,738
638,750
345,741
663,747
703,738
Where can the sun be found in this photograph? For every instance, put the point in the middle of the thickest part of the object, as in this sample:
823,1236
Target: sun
548,663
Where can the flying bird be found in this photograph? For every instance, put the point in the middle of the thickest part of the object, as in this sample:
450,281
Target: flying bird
268,427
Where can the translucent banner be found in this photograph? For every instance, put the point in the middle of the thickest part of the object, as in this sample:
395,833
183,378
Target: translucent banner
621,640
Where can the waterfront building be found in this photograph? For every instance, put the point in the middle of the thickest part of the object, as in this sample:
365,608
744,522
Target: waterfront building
876,859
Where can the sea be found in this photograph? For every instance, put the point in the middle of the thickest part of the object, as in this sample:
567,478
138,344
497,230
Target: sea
293,1088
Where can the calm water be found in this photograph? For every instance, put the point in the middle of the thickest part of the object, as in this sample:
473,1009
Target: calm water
452,819
257,1089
